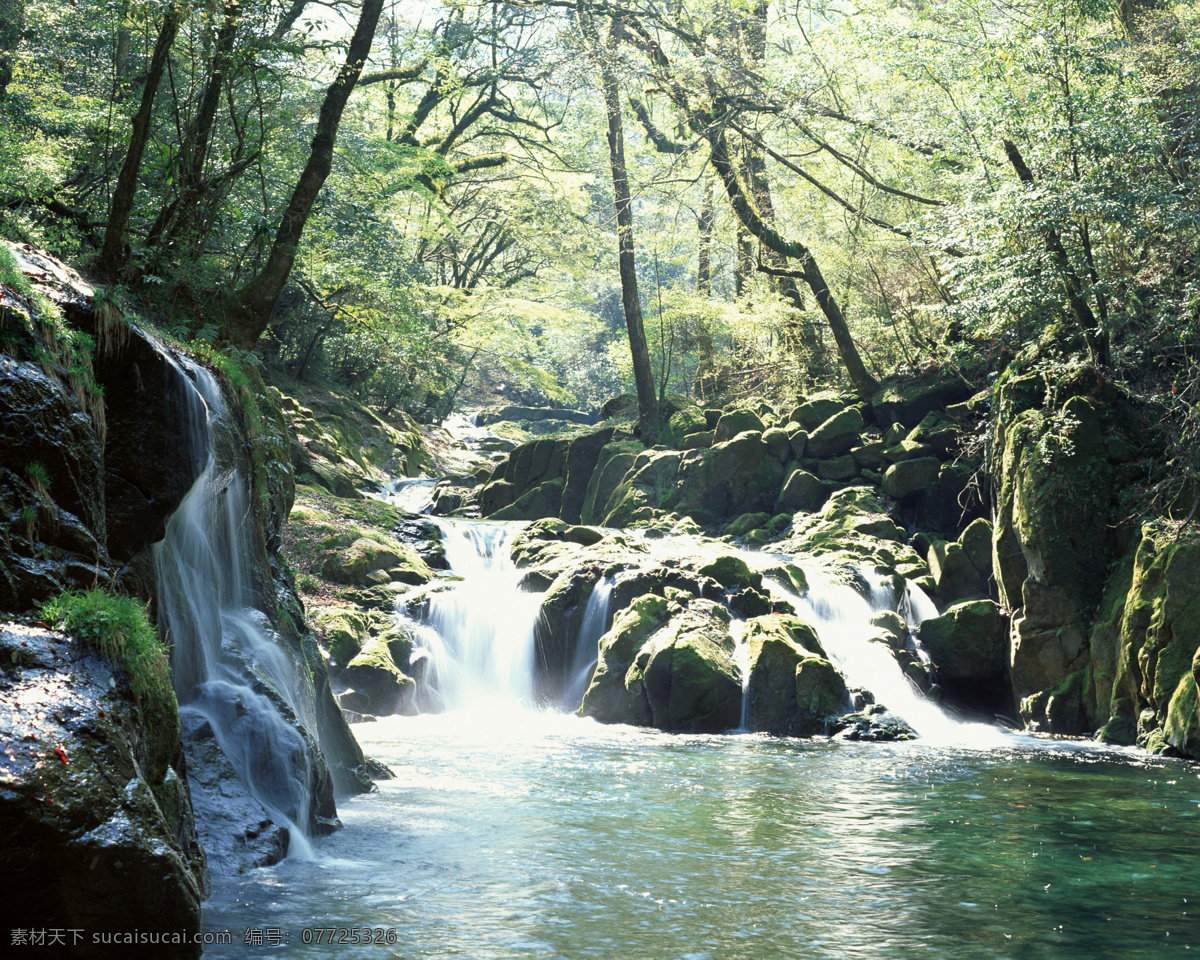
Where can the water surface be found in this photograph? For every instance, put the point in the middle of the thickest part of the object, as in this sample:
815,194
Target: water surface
510,834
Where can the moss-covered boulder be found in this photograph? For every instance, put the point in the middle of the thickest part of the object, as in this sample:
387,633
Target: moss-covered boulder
378,685
844,467
907,477
976,543
837,435
544,500
801,492
1050,544
954,576
907,401
969,642
779,445
686,674
343,630
777,646
607,698
735,422
817,409
356,563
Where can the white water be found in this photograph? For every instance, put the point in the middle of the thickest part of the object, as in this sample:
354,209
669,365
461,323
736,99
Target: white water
597,616
476,638
225,663
410,494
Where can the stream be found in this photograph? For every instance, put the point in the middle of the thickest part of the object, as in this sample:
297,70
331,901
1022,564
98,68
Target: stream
516,832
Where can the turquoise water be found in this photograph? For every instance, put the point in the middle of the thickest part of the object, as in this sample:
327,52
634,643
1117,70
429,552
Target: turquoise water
524,835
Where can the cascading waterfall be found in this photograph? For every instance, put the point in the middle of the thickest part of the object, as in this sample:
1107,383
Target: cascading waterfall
595,623
225,666
410,494
476,639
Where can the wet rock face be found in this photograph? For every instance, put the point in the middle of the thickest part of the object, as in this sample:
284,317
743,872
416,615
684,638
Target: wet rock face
53,535
86,842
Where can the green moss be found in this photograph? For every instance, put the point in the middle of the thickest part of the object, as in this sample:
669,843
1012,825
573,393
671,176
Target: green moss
119,629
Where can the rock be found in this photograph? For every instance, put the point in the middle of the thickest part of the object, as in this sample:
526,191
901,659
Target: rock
625,405
777,646
910,476
735,422
956,577
379,685
94,840
740,526
868,454
976,542
1050,544
814,412
907,401
698,441
607,698
905,450
936,432
612,463
343,629
798,439
837,435
801,492
838,468
778,444
686,674
821,692
367,555
687,420
534,414
544,500
731,571
967,642
583,455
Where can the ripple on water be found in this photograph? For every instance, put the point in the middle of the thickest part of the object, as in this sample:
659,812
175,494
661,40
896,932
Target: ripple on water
536,835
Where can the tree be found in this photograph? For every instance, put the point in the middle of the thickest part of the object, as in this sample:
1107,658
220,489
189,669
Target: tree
643,373
254,302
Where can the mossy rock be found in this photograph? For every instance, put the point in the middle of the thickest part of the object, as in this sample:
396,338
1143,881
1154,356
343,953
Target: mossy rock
735,422
778,443
801,492
910,476
606,698
967,642
381,686
731,571
343,631
837,435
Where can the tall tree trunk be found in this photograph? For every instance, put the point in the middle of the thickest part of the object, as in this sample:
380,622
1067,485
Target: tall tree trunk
643,373
704,256
254,303
174,217
743,206
112,251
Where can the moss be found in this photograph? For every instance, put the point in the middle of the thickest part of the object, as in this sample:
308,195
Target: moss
119,629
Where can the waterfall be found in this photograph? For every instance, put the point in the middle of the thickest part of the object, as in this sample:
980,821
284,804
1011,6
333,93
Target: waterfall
841,616
410,494
595,623
475,641
226,668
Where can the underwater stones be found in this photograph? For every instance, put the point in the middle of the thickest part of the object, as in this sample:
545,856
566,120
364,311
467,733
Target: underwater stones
801,492
89,842
910,476
837,435
735,422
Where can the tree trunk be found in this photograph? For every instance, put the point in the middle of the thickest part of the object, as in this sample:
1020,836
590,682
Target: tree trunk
643,373
704,256
112,252
864,384
254,303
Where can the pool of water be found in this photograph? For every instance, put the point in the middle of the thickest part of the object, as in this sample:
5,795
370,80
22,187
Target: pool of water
525,835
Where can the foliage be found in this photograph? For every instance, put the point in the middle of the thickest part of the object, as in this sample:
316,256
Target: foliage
119,629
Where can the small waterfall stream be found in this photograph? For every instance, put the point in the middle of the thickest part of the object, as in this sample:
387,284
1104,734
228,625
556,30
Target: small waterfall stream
476,639
226,667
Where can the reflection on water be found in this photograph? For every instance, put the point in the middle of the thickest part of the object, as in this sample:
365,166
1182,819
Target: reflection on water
536,835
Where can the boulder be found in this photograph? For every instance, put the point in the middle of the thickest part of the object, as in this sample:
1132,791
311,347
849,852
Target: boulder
935,431
837,435
798,439
821,694
910,476
99,835
778,444
967,642
366,556
815,411
976,542
844,467
544,500
776,647
801,492
697,441
907,401
735,422
378,684
583,454
956,578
